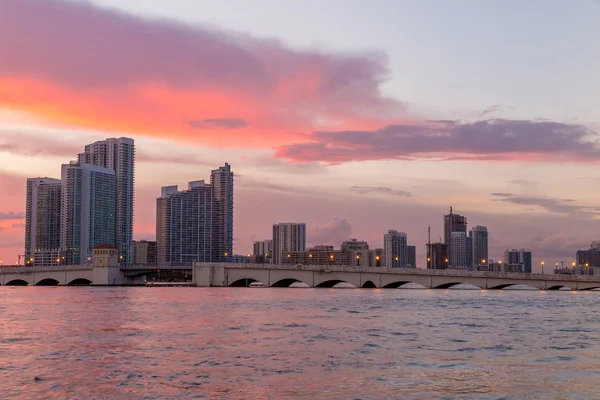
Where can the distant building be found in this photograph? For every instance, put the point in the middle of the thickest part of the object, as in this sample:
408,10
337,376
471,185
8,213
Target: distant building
119,156
458,250
394,249
144,252
411,252
88,211
317,255
354,244
263,248
185,224
454,223
437,256
517,260
589,258
221,179
480,245
42,222
469,257
378,257
288,238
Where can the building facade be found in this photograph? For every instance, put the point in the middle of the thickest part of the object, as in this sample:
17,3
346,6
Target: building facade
590,257
263,248
43,222
288,238
458,250
221,179
119,156
185,223
88,211
411,258
394,249
437,256
479,236
518,260
144,252
354,244
454,223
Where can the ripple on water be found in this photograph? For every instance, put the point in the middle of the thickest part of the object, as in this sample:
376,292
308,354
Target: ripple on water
296,344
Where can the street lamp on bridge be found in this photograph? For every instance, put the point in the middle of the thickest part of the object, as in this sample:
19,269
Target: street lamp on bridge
542,267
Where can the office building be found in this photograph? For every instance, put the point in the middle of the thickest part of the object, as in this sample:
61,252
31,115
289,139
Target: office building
88,211
145,252
437,256
42,222
185,224
411,257
479,236
119,156
517,260
454,223
458,250
394,249
221,180
590,257
263,248
287,238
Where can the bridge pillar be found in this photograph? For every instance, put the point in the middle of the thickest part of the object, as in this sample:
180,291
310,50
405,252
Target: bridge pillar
208,274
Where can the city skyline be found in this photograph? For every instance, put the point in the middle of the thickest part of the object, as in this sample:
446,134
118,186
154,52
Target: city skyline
334,126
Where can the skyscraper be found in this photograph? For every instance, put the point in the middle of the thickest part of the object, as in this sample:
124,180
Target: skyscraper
288,237
454,223
480,245
394,249
42,221
87,212
118,155
458,249
185,222
221,180
263,248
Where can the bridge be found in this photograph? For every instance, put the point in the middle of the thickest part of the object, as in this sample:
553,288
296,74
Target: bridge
226,274
229,274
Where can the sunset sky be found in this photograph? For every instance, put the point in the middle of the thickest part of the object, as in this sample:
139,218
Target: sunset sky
353,116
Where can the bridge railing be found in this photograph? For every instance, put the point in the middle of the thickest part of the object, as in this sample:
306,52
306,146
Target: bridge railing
23,270
412,271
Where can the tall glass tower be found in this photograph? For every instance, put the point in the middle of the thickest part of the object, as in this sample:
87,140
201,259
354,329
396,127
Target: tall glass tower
42,222
118,155
221,179
88,211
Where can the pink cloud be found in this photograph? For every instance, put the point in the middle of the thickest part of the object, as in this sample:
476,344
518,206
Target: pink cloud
76,64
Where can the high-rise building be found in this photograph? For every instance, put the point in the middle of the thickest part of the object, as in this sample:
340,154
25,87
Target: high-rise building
518,260
454,223
437,256
221,180
480,245
185,224
118,155
411,252
263,248
288,237
87,212
394,249
458,250
145,252
42,222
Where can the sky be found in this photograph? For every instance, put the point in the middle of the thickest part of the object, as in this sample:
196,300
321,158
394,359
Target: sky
354,117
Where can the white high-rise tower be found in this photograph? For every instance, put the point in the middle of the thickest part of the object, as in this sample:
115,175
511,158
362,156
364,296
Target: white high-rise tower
118,155
42,222
288,237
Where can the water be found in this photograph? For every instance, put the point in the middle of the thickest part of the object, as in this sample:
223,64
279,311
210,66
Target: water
238,343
